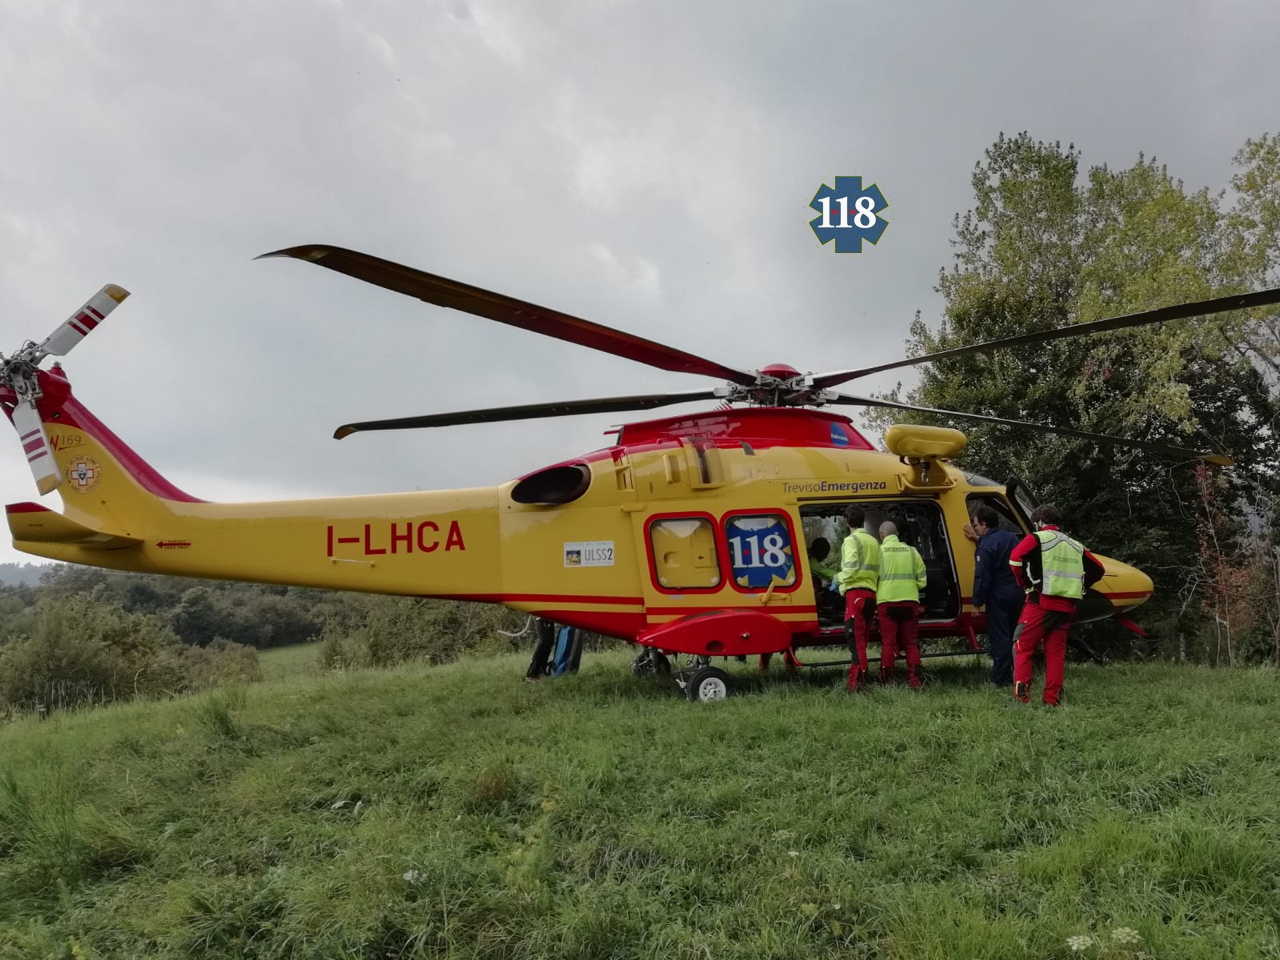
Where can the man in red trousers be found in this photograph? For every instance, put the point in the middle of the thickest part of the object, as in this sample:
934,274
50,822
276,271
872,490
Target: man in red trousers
857,578
902,578
1055,571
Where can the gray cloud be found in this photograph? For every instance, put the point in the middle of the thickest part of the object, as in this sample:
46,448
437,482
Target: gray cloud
646,165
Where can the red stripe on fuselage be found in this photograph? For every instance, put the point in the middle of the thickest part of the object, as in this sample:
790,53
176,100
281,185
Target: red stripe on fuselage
538,598
781,608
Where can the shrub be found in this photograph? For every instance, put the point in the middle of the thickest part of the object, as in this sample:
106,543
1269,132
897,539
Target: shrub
398,629
342,647
222,663
84,650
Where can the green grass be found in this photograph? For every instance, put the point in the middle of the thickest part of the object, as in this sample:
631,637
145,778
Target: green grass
284,663
459,812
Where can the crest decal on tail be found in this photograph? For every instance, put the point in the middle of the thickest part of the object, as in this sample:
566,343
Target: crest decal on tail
83,473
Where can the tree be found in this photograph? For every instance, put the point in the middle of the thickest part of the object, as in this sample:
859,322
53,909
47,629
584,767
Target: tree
1043,247
197,620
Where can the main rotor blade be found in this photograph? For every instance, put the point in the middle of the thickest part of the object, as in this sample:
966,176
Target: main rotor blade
1162,315
532,411
1161,448
517,313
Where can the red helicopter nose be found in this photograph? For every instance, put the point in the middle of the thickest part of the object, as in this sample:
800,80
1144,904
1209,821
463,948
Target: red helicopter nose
780,370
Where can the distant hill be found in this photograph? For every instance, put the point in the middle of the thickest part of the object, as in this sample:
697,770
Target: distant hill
22,574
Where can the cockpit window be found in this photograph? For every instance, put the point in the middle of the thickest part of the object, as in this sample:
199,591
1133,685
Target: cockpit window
978,480
1008,521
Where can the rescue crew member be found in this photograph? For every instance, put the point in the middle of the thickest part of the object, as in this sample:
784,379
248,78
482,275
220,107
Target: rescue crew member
1055,571
995,589
902,577
858,577
821,562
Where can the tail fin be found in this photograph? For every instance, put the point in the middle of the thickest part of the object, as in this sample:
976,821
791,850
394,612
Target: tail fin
107,490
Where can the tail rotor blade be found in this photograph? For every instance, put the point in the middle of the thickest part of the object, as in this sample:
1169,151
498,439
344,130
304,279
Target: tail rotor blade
35,444
82,322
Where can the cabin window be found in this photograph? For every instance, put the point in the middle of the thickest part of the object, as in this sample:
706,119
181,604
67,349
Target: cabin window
760,551
684,553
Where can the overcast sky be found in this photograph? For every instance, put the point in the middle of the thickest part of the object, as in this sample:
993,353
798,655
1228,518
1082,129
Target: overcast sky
645,165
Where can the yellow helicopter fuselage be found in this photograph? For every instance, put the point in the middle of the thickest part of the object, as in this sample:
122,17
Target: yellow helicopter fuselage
691,534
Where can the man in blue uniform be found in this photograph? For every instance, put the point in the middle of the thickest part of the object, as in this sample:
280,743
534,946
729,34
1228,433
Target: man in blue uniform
995,589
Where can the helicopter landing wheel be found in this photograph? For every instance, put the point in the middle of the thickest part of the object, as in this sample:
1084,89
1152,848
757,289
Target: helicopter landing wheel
651,663
707,684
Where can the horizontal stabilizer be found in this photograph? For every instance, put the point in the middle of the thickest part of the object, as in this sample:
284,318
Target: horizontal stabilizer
32,522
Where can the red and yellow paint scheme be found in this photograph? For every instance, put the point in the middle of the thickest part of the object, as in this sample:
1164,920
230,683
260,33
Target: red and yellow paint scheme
690,534
662,538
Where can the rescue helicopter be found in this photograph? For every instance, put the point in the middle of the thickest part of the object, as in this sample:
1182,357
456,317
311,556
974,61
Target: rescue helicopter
687,535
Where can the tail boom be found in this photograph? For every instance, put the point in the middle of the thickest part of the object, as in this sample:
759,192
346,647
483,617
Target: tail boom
119,512
421,544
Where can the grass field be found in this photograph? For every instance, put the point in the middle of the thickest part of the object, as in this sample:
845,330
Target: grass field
286,663
459,812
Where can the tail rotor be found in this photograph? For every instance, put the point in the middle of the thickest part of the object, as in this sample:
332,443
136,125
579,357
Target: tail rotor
81,323
35,445
20,385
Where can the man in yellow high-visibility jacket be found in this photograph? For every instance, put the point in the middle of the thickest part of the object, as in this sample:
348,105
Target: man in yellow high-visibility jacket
857,579
902,577
1056,571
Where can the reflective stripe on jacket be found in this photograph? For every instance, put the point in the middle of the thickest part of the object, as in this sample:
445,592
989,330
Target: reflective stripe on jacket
902,573
859,562
1061,565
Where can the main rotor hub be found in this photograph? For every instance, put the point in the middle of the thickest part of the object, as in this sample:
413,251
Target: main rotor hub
18,371
780,371
777,385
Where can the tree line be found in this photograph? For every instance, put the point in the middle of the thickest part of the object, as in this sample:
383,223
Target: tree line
86,635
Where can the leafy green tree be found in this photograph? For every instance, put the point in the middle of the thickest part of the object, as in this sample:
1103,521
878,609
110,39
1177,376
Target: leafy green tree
1043,247
196,619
